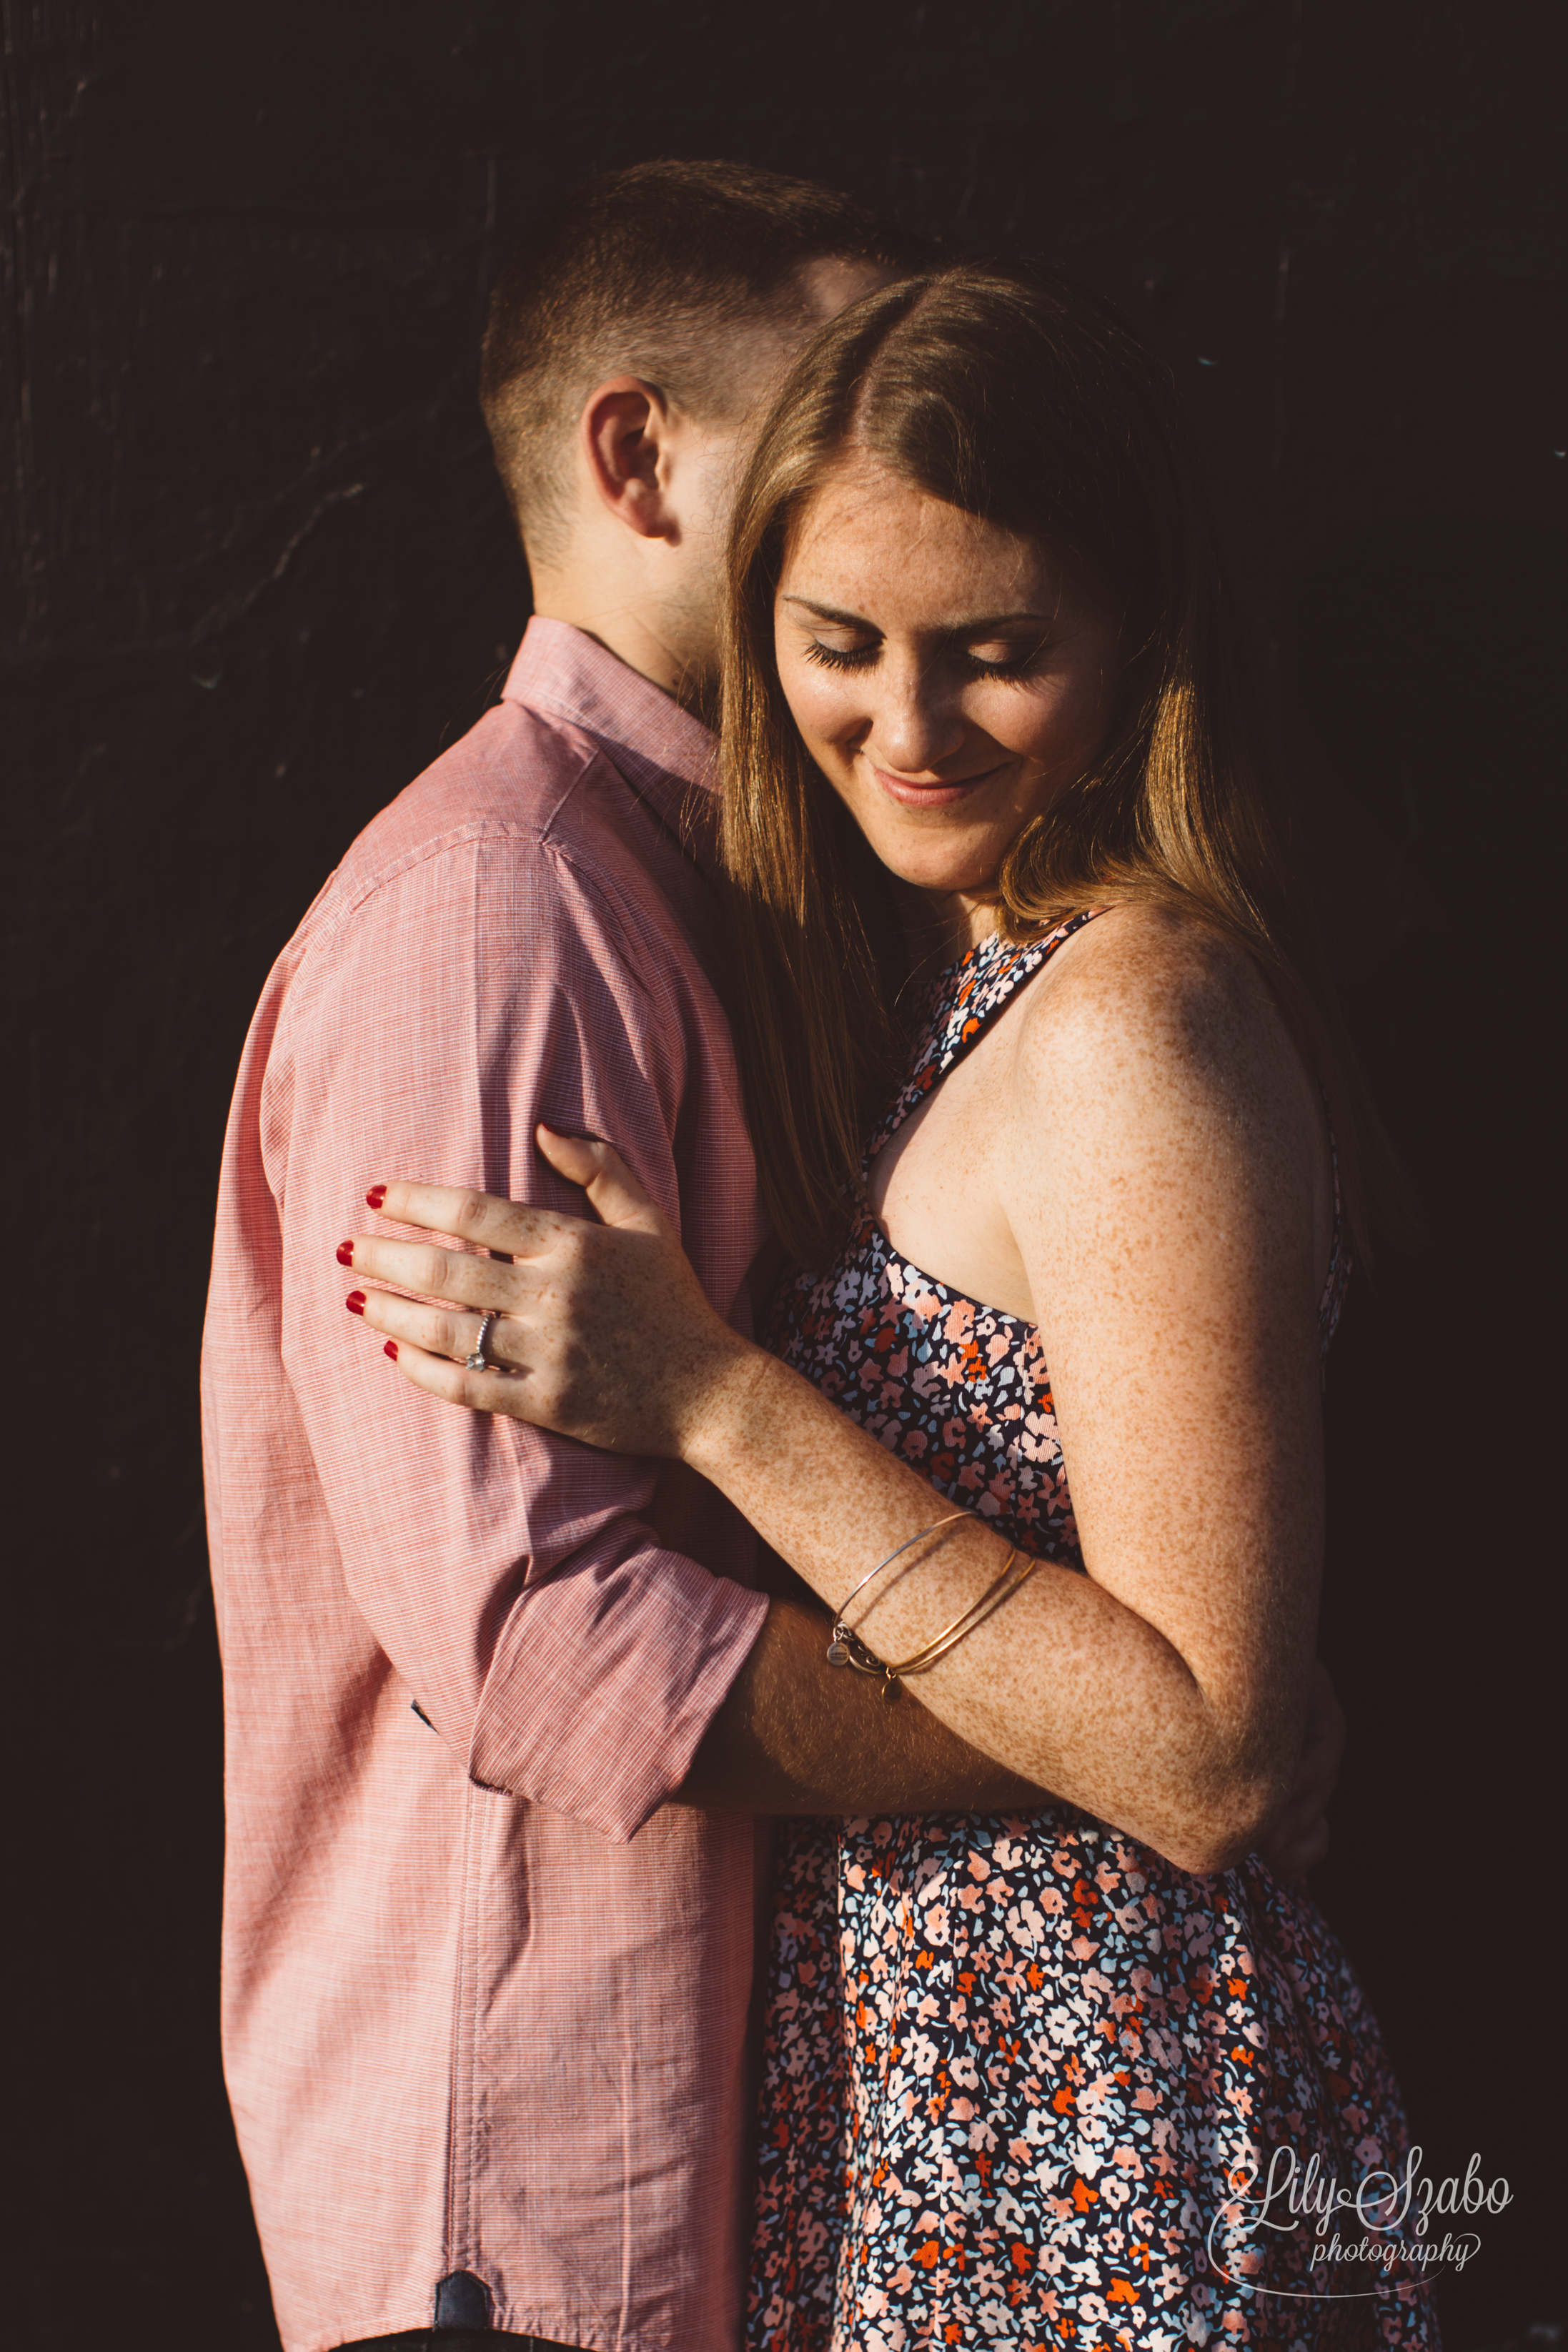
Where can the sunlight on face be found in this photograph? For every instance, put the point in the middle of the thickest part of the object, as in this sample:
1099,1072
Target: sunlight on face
947,677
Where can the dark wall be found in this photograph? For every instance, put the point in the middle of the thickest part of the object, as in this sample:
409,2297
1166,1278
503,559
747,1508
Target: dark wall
263,574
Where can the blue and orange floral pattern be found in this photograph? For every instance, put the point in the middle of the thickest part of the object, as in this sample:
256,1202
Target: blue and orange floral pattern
1022,2076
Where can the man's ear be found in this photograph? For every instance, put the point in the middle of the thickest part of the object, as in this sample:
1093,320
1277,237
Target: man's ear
624,431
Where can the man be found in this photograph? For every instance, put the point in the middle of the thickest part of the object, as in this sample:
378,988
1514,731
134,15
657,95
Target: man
499,1709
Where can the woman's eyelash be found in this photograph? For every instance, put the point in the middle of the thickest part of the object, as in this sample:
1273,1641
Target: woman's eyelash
1013,669
839,656
864,656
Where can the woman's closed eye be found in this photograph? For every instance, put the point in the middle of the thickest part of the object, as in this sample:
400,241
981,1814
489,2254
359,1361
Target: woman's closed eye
1014,664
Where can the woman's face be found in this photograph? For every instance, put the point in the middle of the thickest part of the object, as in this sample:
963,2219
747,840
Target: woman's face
947,677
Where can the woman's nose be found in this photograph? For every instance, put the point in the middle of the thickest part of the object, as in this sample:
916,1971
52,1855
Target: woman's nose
917,723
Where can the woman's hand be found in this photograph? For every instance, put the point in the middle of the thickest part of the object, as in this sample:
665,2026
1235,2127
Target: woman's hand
603,1332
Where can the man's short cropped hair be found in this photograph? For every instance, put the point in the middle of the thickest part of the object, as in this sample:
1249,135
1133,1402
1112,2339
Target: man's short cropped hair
651,272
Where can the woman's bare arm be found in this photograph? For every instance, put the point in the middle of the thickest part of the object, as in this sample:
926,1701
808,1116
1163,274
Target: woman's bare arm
1161,1187
793,1736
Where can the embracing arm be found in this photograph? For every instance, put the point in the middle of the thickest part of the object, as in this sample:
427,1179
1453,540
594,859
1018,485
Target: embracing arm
1158,1170
793,1736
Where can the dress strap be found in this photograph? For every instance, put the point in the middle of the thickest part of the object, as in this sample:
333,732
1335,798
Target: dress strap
960,1003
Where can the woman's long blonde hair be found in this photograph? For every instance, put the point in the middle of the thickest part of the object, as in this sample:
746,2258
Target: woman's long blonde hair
1026,401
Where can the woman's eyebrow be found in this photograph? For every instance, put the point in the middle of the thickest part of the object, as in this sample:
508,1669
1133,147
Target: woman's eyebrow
828,613
949,628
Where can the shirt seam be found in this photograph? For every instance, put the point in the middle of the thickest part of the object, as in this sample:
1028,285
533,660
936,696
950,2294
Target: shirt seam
334,925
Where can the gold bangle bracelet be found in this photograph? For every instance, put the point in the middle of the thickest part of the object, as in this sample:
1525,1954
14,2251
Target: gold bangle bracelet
908,1545
854,1652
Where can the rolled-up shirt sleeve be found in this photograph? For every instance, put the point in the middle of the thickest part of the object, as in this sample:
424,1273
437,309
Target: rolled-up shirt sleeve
542,1601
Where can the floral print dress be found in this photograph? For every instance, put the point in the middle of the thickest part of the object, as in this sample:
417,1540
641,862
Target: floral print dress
1024,2080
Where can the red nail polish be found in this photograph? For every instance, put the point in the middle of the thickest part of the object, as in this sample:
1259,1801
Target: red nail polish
354,1302
377,1195
346,1253
390,1350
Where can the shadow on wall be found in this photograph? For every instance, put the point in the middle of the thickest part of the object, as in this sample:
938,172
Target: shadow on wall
1422,659
264,572
196,781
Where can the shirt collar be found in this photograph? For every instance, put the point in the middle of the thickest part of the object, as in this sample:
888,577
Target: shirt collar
661,750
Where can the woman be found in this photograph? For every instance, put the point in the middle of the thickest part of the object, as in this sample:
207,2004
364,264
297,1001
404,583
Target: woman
1037,1078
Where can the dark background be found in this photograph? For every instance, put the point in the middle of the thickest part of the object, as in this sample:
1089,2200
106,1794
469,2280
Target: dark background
263,573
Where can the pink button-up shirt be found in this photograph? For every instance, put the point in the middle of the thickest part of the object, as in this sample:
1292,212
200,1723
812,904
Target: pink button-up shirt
484,1995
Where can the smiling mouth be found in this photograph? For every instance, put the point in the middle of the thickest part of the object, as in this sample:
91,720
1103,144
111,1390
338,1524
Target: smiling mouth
942,792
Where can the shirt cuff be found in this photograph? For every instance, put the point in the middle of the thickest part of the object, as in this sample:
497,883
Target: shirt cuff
605,1676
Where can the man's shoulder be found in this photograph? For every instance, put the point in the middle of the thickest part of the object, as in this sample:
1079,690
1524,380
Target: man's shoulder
516,778
525,837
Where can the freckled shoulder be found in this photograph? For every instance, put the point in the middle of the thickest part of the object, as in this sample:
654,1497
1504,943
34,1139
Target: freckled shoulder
1150,996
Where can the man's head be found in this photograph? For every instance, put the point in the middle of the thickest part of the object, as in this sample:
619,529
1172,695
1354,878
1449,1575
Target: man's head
631,347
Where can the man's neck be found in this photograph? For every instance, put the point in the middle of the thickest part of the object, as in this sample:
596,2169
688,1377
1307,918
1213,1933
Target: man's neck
634,634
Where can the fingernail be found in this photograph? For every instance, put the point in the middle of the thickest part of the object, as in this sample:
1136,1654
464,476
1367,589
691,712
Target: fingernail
346,1253
354,1302
377,1195
390,1350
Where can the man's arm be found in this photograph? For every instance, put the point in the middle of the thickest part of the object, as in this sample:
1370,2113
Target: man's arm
797,1736
562,1619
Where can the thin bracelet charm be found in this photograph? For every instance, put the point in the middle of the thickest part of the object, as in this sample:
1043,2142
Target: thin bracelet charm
838,1649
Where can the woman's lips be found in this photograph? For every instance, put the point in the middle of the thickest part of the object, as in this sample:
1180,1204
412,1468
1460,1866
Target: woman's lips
943,794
